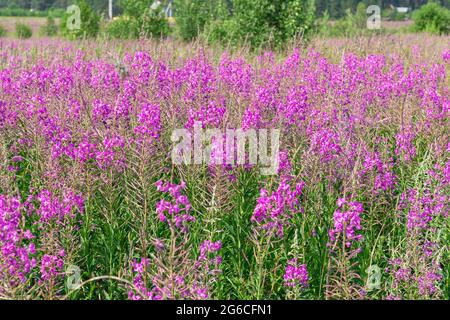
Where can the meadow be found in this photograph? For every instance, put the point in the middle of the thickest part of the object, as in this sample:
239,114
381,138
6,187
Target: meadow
9,24
92,206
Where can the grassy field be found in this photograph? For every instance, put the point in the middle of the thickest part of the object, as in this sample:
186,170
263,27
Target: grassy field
37,22
92,205
34,22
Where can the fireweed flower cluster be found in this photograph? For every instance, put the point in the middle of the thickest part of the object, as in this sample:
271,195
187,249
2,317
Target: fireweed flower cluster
206,249
404,144
110,153
52,208
274,211
140,291
423,276
418,272
211,114
326,144
296,275
18,252
51,266
285,166
176,212
421,210
384,176
149,123
347,222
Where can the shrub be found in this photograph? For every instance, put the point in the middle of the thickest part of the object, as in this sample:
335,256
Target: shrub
50,29
23,31
264,22
432,18
192,16
139,20
352,24
135,8
123,27
89,24
2,31
153,23
222,31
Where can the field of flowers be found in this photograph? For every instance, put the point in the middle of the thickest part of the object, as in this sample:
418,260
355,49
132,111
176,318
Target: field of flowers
92,207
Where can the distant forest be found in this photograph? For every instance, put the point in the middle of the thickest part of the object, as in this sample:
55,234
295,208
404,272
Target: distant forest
335,8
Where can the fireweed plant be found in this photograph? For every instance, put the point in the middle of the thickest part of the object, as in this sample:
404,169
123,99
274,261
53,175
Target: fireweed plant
86,177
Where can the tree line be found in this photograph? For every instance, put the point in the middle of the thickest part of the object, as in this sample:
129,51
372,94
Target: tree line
335,8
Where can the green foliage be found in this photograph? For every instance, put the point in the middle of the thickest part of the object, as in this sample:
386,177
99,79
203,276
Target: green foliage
135,8
352,25
2,31
222,31
322,24
192,16
89,24
139,19
264,22
347,26
297,17
123,27
394,15
153,23
23,31
360,17
50,29
432,18
21,12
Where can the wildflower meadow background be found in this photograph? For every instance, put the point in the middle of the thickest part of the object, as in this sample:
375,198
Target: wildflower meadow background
92,207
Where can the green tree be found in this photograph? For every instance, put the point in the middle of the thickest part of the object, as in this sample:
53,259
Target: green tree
432,18
89,23
139,19
193,15
261,22
135,8
153,23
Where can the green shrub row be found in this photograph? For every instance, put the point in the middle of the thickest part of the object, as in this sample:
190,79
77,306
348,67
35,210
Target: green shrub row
20,12
255,22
